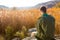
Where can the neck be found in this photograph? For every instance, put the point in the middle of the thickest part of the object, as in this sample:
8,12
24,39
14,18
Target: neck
45,13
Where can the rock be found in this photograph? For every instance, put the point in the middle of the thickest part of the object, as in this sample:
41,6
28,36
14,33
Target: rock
33,34
16,38
32,30
30,38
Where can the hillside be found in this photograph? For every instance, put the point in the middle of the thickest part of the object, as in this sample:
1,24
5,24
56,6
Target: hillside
1,6
48,4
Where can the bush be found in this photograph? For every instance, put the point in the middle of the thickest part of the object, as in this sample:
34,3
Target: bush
23,33
8,32
25,30
19,34
1,37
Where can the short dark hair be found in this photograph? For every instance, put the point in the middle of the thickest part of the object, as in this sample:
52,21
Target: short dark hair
43,8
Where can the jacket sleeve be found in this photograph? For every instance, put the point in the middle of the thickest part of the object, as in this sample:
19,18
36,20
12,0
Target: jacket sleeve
39,25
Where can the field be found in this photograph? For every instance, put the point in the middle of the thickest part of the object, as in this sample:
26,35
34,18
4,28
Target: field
18,19
26,17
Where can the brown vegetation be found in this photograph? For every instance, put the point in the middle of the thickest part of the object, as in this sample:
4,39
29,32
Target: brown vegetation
18,18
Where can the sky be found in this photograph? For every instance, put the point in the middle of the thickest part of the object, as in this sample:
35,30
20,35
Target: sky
21,3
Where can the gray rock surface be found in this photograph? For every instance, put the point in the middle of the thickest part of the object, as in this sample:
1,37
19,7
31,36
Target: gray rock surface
30,38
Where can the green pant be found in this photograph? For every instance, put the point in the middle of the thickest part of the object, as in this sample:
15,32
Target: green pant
44,38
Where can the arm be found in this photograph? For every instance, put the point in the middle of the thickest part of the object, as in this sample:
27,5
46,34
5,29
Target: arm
41,26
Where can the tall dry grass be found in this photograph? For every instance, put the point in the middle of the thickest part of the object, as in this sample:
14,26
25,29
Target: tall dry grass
18,18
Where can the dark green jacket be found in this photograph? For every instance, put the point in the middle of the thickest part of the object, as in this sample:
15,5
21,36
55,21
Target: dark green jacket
45,27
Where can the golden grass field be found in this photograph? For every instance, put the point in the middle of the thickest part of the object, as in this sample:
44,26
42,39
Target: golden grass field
27,17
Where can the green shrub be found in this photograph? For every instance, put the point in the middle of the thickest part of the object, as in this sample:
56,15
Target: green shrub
19,34
25,30
8,32
1,37
22,33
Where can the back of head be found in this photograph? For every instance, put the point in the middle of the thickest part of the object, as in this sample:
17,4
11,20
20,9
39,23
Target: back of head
43,9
